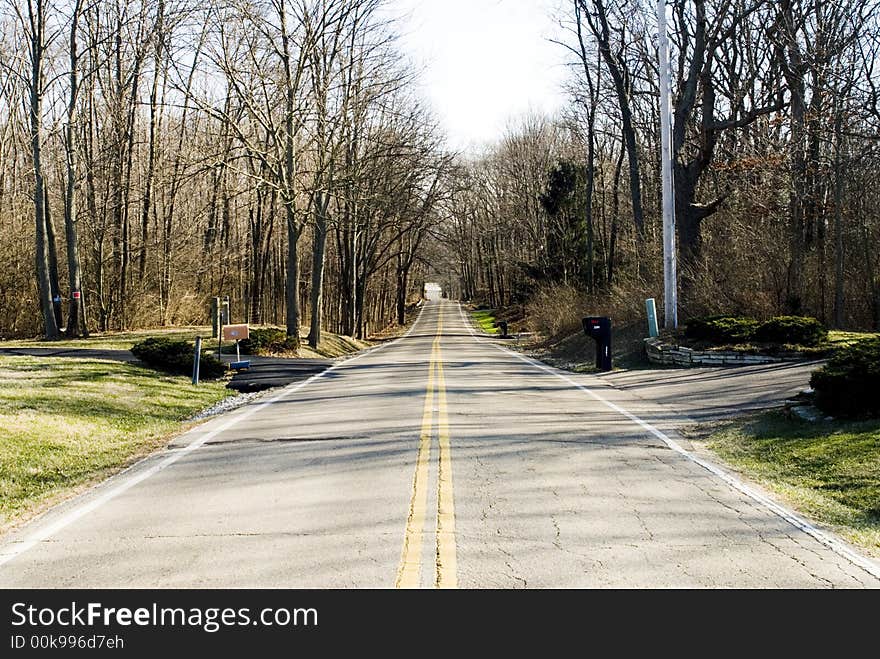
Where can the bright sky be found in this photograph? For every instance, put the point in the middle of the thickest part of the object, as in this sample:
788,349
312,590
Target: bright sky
487,61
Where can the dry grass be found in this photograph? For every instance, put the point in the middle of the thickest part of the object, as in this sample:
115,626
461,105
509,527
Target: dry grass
333,345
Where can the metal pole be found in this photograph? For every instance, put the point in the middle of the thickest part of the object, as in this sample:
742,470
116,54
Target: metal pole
670,284
197,360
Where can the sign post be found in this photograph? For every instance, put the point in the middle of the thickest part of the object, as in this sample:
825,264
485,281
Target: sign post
197,360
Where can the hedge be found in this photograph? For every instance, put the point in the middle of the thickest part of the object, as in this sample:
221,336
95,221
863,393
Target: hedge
848,385
796,330
721,329
263,341
176,356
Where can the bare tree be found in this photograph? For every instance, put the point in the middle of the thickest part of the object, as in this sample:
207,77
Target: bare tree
33,19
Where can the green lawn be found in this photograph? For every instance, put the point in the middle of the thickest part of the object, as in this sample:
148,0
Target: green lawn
331,345
486,320
69,422
111,340
839,338
828,470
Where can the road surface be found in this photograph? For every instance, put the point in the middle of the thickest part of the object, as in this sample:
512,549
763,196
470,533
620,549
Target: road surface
437,460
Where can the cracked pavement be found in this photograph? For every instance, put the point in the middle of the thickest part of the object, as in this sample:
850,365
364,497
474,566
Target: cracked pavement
552,489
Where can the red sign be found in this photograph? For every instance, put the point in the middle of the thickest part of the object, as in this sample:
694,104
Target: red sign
76,295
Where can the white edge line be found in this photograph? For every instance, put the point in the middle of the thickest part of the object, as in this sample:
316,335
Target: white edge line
21,546
830,542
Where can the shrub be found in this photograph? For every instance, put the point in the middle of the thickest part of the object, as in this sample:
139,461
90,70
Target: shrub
175,356
848,384
797,330
556,310
265,341
721,329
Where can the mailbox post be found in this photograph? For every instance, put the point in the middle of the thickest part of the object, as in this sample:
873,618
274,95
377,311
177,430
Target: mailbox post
237,333
598,328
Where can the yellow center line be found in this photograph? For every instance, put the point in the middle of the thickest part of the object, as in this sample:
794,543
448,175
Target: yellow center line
446,556
409,572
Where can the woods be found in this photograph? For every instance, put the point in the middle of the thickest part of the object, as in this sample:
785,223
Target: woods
273,151
155,154
775,134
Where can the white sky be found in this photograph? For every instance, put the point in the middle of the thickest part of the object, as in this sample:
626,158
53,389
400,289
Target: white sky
487,61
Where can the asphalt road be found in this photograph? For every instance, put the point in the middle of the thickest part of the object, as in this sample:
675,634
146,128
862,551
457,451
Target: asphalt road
437,460
713,393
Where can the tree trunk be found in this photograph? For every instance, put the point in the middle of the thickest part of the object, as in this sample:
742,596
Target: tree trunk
402,283
292,284
52,248
76,316
37,20
146,204
319,244
602,34
839,183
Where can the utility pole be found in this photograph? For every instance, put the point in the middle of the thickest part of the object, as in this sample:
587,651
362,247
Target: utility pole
670,266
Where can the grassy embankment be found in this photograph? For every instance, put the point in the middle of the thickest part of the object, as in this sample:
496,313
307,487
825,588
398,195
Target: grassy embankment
829,470
485,319
66,423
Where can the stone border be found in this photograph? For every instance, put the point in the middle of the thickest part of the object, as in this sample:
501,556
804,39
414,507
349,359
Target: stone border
673,355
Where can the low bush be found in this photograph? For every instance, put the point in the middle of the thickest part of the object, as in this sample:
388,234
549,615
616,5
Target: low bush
847,385
176,356
797,330
265,341
556,310
721,329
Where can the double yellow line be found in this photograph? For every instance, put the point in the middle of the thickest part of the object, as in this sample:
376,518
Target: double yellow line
409,572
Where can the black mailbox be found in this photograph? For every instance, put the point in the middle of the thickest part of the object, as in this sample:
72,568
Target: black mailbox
598,328
502,325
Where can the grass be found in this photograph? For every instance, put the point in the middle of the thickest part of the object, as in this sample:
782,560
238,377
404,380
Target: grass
839,338
66,423
331,345
486,320
830,470
111,340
